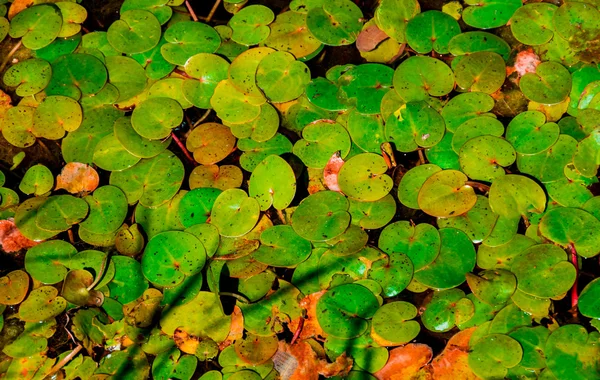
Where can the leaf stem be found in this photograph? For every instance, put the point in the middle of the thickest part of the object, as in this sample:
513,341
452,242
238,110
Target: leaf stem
421,157
183,149
64,361
236,296
99,274
574,289
197,123
9,55
281,217
213,11
192,13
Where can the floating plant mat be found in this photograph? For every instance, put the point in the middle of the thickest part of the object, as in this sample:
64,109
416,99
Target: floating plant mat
299,189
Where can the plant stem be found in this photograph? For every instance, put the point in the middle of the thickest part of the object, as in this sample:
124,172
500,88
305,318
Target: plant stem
197,123
479,186
192,13
99,274
298,331
236,296
574,290
281,217
421,157
183,149
64,361
213,11
9,55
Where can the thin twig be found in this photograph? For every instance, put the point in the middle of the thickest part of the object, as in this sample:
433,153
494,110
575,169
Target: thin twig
183,149
574,290
421,157
192,13
64,361
298,331
213,11
281,217
480,186
9,55
197,123
236,296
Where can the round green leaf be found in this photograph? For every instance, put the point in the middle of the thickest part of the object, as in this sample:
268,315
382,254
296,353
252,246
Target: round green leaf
343,310
446,309
418,77
207,70
431,30
281,77
47,261
273,183
489,14
544,271
568,226
188,38
532,23
171,256
281,246
549,84
234,213
411,183
38,180
484,158
363,177
572,354
336,22
30,76
493,355
393,323
480,71
136,32
250,26
41,304
446,193
108,209
414,125
455,259
321,216
38,25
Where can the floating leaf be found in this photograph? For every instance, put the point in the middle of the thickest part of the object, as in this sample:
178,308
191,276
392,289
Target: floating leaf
250,25
363,177
549,84
493,354
210,143
137,31
41,304
418,77
446,193
38,180
234,213
321,216
38,25
414,125
76,177
431,30
572,227
186,39
30,76
489,14
335,23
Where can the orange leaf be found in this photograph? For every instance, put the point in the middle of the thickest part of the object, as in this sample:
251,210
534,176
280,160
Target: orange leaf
369,38
5,103
311,326
300,362
11,238
76,177
236,331
18,6
406,362
452,363
330,173
186,342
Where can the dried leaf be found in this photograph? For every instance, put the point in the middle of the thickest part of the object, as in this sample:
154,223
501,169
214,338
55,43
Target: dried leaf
236,331
406,362
11,238
331,171
525,62
311,327
186,342
76,177
300,362
369,38
453,363
5,103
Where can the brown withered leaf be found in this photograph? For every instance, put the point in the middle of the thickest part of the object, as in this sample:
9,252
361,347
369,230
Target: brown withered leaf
300,362
407,362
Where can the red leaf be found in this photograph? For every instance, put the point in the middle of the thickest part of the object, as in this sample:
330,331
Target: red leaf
330,173
11,238
369,38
